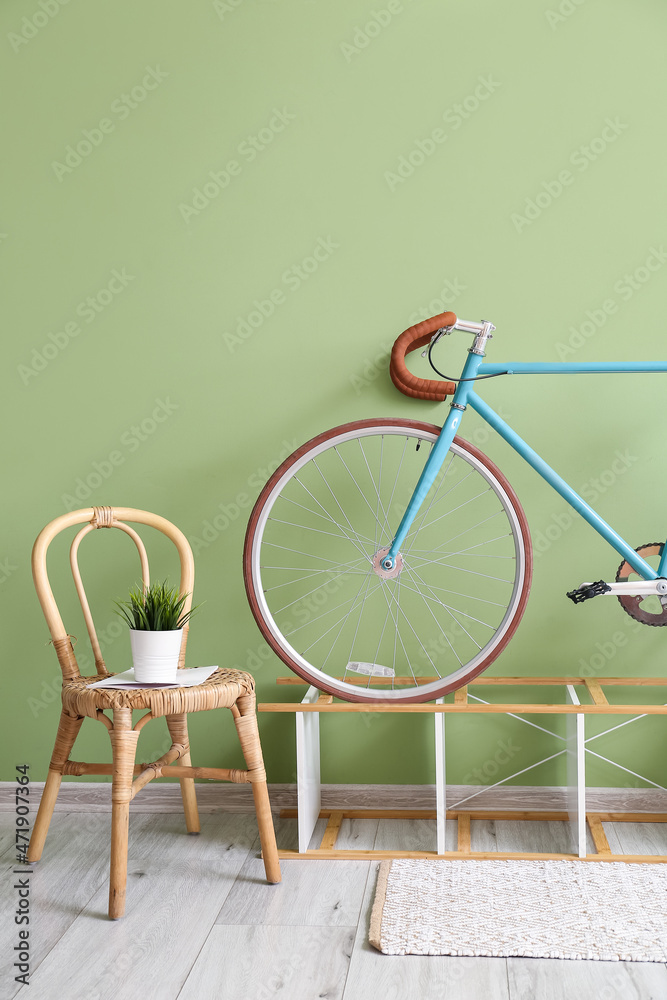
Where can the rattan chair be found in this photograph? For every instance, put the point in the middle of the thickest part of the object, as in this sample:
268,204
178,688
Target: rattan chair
233,689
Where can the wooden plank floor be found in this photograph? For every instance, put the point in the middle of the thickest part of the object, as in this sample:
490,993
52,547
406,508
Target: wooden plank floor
201,921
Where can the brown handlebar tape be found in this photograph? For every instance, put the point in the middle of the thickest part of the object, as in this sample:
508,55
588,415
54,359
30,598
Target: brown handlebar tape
410,340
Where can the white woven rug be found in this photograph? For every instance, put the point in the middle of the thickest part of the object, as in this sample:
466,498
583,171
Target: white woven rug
605,911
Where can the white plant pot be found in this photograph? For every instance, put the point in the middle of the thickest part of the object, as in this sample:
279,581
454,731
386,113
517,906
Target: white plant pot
155,655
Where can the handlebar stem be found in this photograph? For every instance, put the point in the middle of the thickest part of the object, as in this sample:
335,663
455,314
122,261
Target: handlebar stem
486,333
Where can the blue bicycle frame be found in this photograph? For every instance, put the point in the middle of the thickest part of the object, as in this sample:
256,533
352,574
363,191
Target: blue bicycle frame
465,395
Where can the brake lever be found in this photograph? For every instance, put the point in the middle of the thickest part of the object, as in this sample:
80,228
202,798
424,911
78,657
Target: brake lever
444,331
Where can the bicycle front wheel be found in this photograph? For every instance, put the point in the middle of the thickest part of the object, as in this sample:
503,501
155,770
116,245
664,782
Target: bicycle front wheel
312,564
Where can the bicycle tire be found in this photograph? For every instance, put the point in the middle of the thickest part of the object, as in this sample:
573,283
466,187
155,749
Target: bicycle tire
336,556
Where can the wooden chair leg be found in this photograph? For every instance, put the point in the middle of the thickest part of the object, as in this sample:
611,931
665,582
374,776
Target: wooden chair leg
68,730
178,730
124,748
246,727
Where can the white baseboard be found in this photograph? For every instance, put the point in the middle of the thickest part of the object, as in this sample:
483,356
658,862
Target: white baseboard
88,796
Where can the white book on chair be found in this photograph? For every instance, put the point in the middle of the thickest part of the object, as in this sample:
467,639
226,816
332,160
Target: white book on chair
184,678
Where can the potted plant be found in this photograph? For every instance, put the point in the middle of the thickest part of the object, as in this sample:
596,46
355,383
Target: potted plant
156,619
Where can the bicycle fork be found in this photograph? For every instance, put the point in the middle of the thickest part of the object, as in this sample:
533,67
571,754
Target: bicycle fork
389,561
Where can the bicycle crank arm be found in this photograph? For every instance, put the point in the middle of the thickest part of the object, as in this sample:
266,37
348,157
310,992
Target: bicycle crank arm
638,588
625,588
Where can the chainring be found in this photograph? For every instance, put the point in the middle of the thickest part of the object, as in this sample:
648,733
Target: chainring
632,604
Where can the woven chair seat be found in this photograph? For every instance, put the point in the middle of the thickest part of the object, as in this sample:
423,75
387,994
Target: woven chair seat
221,690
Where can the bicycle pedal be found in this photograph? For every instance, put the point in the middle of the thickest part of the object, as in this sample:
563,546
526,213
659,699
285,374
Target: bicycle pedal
588,590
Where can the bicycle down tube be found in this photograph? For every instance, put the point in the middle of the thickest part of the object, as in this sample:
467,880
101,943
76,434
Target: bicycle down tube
466,396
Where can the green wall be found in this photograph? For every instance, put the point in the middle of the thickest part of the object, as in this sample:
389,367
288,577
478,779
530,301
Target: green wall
504,159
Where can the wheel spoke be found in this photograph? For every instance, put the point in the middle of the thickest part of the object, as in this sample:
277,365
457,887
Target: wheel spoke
379,489
417,637
307,527
462,569
356,631
322,586
349,538
300,569
320,637
478,555
377,493
468,597
377,651
448,607
451,613
393,491
465,531
398,635
316,513
335,498
361,492
454,509
311,555
346,619
308,576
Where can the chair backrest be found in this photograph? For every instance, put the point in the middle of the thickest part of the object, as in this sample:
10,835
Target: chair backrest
93,518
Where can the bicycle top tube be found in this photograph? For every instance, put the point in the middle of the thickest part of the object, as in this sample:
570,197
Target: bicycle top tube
573,368
483,332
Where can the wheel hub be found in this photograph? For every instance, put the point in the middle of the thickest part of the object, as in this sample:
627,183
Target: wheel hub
379,568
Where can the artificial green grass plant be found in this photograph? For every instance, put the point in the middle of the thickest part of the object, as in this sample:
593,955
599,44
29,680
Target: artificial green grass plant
157,609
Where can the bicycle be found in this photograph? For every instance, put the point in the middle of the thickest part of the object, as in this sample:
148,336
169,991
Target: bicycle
369,613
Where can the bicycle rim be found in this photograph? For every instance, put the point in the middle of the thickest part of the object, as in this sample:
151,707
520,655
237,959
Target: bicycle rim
322,519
